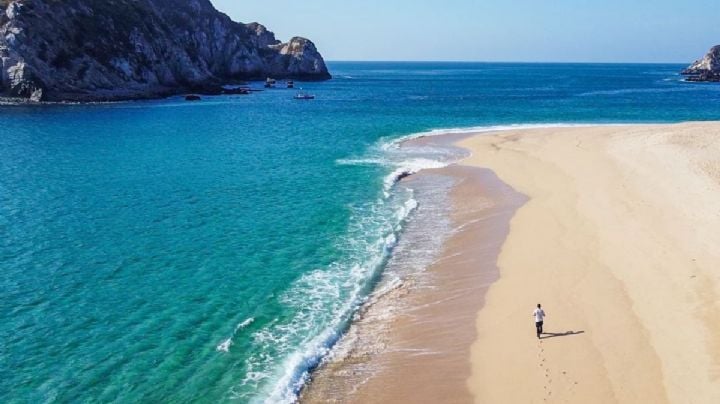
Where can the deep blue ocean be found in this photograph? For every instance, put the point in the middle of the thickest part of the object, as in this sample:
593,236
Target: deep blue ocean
168,251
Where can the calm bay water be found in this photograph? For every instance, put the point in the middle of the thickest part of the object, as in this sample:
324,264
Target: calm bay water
202,252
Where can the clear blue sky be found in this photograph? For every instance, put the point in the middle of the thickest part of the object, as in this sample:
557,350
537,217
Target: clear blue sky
493,30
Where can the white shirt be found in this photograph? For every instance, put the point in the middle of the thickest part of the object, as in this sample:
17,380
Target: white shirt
539,315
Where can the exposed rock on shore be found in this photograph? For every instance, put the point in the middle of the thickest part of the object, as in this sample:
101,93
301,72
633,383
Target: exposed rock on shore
707,68
95,50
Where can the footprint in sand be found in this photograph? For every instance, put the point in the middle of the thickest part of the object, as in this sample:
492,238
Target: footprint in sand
541,364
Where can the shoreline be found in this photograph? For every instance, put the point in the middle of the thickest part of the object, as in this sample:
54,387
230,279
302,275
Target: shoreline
343,372
586,364
329,381
402,332
415,338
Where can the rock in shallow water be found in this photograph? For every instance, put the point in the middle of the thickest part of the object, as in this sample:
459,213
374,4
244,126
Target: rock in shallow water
91,50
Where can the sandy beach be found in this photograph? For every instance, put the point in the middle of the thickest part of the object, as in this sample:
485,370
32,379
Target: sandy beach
619,242
614,229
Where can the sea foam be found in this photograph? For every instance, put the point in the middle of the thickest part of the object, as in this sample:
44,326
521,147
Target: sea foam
225,345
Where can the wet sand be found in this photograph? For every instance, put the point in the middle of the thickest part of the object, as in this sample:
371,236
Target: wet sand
419,352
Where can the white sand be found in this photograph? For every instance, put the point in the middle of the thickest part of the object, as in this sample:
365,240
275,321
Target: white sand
621,240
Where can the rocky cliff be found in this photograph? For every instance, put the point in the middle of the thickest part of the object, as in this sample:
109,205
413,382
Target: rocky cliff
707,68
89,50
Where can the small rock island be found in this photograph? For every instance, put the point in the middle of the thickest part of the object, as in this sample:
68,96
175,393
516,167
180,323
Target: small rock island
705,69
100,50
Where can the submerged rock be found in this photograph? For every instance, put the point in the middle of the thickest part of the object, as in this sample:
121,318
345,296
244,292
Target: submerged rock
707,68
91,50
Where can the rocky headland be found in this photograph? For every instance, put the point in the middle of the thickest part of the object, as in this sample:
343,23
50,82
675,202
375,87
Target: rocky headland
705,69
106,50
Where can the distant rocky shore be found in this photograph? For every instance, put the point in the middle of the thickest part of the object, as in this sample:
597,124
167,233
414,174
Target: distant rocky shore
705,69
99,50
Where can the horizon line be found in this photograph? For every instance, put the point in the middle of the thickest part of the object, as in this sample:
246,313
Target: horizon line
503,61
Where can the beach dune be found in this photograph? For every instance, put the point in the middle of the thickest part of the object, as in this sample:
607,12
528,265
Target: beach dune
620,242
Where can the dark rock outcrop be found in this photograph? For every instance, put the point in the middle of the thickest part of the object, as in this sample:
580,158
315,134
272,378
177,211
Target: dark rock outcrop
707,68
90,50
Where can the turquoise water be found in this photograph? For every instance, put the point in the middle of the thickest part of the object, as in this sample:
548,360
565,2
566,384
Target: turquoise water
202,252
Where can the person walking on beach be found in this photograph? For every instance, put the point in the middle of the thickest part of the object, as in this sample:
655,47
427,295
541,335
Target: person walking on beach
539,315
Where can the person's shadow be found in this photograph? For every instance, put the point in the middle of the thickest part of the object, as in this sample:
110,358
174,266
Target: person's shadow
559,334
